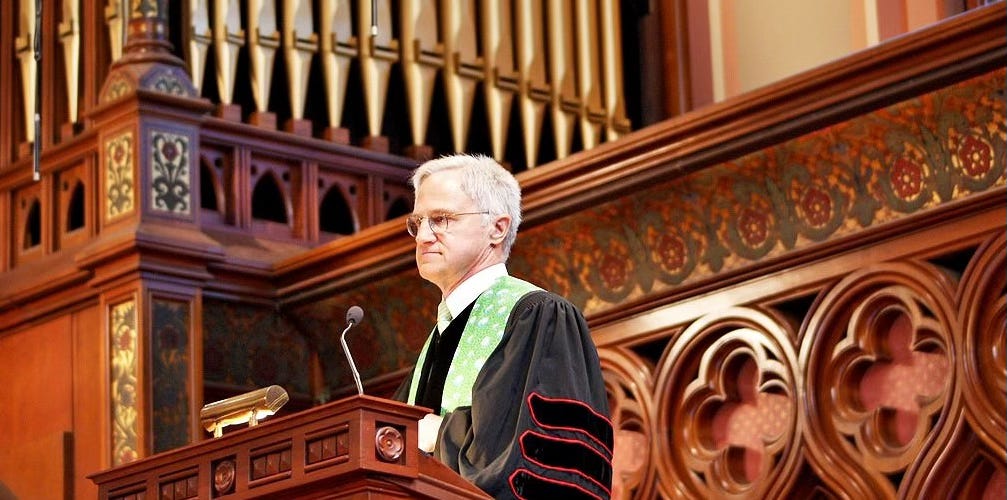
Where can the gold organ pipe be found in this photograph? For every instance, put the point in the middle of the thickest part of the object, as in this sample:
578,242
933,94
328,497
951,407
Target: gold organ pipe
570,68
422,57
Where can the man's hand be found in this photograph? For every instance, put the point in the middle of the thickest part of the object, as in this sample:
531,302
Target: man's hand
428,427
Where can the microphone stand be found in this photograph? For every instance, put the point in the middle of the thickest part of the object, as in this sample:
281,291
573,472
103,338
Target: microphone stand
353,366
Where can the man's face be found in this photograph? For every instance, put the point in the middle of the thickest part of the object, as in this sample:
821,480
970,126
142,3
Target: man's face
466,247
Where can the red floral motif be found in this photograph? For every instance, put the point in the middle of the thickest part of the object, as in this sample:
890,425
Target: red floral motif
124,340
753,227
118,153
907,178
127,395
817,206
613,271
671,252
127,455
169,151
976,156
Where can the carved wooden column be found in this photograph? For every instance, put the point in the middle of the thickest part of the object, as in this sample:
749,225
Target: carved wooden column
148,261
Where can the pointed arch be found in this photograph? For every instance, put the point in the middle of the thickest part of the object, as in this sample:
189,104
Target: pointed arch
75,211
335,214
268,202
33,226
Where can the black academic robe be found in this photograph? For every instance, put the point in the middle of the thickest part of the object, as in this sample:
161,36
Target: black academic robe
539,424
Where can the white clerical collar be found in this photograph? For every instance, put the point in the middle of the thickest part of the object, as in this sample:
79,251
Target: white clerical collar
470,289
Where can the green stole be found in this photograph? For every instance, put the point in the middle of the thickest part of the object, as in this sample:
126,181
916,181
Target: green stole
482,334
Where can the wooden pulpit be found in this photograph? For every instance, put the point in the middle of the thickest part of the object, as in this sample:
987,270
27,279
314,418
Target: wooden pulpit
359,447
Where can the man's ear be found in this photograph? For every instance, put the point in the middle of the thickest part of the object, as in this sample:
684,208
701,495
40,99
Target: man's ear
500,227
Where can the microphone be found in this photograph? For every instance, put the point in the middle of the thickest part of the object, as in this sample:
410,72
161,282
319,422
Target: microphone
353,317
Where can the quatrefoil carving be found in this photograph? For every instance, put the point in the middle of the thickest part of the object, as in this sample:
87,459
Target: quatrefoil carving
892,370
742,412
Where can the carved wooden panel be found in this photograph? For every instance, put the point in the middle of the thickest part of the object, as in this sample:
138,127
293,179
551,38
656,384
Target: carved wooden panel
218,190
885,382
75,197
31,223
119,195
124,353
277,204
170,175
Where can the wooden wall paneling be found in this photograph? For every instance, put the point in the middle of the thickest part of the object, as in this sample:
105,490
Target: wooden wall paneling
91,432
6,230
35,459
43,468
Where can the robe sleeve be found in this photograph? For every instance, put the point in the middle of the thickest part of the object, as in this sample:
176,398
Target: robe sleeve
539,424
401,393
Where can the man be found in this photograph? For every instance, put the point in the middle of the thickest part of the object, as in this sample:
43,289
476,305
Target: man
511,372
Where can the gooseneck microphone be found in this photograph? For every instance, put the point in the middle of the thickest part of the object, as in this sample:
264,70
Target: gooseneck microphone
353,317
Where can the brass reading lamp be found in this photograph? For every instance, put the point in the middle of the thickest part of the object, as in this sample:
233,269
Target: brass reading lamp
248,407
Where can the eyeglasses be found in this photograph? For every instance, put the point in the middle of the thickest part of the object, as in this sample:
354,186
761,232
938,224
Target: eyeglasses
438,222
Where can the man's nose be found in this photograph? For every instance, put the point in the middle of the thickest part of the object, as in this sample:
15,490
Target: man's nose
424,233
